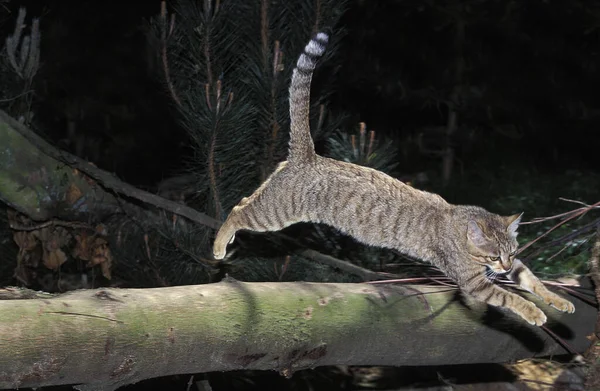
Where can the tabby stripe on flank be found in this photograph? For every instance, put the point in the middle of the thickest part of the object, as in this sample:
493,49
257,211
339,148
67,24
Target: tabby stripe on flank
281,216
503,303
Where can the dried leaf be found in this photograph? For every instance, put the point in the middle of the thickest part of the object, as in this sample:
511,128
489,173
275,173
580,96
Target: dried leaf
99,251
105,267
25,240
81,247
95,250
102,230
53,259
53,239
73,194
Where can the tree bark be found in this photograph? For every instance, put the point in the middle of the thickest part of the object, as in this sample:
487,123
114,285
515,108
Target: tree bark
43,182
106,338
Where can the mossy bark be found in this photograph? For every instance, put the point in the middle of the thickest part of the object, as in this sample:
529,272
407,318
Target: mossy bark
109,337
42,187
44,182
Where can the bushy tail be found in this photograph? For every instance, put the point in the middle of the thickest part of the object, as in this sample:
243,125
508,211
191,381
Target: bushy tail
302,148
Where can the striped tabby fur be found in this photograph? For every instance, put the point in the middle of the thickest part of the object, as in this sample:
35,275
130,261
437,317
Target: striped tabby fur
465,242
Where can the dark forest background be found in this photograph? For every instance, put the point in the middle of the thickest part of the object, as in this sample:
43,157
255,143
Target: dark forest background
530,76
493,103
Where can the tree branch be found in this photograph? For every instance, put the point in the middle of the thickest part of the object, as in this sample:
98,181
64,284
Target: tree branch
106,338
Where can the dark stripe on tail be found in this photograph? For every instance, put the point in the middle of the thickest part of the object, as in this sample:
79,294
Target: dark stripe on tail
302,148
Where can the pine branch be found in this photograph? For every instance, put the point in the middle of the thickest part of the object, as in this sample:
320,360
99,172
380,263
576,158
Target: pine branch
166,30
27,49
13,41
244,50
371,153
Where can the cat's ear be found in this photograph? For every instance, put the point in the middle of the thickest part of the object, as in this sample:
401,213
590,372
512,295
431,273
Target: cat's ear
475,234
513,223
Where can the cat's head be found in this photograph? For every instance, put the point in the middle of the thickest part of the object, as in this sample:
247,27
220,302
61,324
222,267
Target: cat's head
492,240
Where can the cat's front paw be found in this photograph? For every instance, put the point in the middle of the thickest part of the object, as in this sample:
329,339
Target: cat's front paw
532,314
560,304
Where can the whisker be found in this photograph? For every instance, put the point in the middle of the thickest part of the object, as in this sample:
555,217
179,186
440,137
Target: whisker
491,275
481,282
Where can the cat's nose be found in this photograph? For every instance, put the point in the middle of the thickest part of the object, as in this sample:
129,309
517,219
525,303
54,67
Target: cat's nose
505,262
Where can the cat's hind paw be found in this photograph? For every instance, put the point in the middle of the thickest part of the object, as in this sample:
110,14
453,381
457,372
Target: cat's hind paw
219,253
220,247
225,236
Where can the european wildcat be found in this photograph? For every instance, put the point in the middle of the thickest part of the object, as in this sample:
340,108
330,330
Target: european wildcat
379,210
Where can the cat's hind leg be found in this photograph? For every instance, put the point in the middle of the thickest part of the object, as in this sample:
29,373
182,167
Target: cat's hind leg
267,209
263,213
225,236
236,221
245,217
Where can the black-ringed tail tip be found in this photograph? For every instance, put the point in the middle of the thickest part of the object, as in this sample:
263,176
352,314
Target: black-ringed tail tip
314,49
316,46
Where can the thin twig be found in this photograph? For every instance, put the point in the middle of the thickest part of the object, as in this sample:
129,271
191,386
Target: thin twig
561,341
561,284
53,223
566,246
565,238
574,201
543,383
190,383
542,219
578,295
275,127
579,213
214,190
163,43
406,280
348,267
207,42
16,96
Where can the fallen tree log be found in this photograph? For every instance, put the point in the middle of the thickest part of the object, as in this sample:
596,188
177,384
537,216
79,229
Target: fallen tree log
106,338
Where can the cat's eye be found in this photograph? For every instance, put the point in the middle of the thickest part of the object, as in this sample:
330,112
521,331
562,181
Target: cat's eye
513,253
494,259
